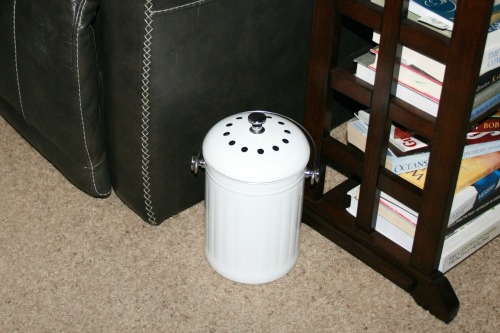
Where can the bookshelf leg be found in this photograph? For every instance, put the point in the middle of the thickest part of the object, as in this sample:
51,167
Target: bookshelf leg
433,293
438,297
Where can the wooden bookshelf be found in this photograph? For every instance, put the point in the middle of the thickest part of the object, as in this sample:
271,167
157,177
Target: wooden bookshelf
415,272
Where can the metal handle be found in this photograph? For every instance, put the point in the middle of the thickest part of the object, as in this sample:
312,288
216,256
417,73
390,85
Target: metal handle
197,161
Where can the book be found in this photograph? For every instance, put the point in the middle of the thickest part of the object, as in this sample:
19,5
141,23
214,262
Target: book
486,130
491,57
477,137
487,79
433,71
490,124
439,11
402,141
479,208
439,14
470,238
471,170
414,79
457,246
357,134
483,101
467,204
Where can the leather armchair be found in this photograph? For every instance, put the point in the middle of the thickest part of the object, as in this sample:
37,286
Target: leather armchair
119,94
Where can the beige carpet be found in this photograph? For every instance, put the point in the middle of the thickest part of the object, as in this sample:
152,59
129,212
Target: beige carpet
71,263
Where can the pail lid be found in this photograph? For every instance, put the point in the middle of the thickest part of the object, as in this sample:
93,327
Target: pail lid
256,147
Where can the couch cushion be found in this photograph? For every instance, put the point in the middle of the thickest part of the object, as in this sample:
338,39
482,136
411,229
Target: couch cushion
50,88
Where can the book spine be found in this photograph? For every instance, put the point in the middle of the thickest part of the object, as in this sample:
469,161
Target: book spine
471,240
480,137
472,214
478,209
485,107
487,79
488,125
471,170
414,162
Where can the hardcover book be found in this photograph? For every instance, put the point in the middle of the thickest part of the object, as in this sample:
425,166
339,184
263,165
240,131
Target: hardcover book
490,124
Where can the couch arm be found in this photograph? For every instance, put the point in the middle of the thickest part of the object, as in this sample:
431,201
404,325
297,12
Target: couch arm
49,85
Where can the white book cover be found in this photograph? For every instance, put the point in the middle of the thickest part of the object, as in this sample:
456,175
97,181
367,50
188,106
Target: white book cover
491,56
385,227
400,91
415,80
470,238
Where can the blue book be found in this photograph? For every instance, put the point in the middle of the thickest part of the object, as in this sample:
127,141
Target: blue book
440,13
486,185
492,95
444,8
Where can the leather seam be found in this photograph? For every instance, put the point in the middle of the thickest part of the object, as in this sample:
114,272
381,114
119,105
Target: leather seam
15,59
186,5
77,32
145,105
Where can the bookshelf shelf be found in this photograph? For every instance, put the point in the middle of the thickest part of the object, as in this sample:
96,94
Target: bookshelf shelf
417,271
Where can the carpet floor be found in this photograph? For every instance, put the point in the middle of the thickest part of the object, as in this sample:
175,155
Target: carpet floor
72,263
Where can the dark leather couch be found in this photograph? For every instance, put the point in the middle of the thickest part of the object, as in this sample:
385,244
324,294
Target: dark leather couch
120,93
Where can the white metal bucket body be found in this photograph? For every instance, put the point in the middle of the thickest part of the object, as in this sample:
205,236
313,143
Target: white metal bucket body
252,229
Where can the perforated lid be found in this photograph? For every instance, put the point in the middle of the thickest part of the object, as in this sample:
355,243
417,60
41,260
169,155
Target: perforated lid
256,147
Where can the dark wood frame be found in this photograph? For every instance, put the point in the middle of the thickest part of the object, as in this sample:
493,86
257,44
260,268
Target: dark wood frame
415,272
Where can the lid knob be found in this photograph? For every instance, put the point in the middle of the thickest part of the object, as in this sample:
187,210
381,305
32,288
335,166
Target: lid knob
257,119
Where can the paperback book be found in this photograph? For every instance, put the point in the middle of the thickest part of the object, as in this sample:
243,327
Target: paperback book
471,170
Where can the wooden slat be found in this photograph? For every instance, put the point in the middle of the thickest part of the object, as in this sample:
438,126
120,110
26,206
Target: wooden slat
451,126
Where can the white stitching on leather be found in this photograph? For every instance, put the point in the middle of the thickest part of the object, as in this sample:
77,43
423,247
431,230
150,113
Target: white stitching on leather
146,73
92,167
15,57
191,4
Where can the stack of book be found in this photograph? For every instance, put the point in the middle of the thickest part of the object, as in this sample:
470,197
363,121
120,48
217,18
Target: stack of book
420,78
397,222
475,213
474,217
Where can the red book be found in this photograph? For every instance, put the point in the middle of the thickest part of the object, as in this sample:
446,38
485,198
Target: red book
488,125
